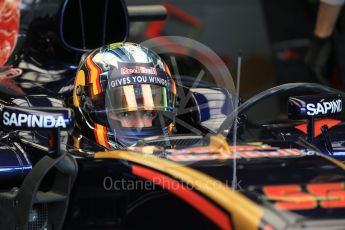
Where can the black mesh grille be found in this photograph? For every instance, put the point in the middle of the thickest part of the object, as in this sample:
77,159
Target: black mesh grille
38,217
179,142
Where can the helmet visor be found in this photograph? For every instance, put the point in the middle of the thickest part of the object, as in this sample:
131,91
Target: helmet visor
140,97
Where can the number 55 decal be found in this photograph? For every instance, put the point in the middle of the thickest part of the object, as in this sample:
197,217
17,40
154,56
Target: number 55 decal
292,197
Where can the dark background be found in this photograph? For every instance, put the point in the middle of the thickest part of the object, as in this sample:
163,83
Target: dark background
273,36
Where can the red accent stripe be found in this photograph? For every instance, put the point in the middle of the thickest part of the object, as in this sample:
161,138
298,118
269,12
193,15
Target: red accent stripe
98,81
105,136
95,132
183,15
189,196
318,124
268,227
92,67
154,29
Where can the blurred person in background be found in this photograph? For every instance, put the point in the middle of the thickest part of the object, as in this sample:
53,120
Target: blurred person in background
329,36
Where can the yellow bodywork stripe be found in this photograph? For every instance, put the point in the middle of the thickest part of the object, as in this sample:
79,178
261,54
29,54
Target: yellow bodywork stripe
333,160
245,213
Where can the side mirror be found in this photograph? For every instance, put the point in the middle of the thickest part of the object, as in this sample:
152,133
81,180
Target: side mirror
314,106
321,105
31,118
89,24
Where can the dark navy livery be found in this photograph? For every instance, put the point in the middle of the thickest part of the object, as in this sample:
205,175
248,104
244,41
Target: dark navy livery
62,171
36,118
321,105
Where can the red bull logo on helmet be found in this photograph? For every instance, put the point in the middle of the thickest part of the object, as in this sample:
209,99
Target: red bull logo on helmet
138,70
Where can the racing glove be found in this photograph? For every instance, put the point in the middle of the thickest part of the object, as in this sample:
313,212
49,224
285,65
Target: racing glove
317,59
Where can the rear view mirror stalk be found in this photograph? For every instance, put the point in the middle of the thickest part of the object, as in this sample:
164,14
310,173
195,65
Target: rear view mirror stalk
54,142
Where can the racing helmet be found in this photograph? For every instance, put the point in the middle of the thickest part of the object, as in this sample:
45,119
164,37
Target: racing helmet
123,92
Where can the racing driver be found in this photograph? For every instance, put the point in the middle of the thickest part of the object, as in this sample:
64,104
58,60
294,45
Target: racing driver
123,92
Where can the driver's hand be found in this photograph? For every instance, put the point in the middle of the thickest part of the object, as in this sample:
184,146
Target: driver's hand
317,59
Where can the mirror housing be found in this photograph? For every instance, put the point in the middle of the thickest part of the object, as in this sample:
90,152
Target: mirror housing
33,118
320,105
89,24
314,106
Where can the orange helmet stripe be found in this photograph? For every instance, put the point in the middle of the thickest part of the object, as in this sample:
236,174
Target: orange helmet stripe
147,95
130,97
101,135
94,72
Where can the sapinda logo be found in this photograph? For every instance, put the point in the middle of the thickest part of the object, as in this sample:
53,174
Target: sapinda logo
32,121
138,70
325,107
